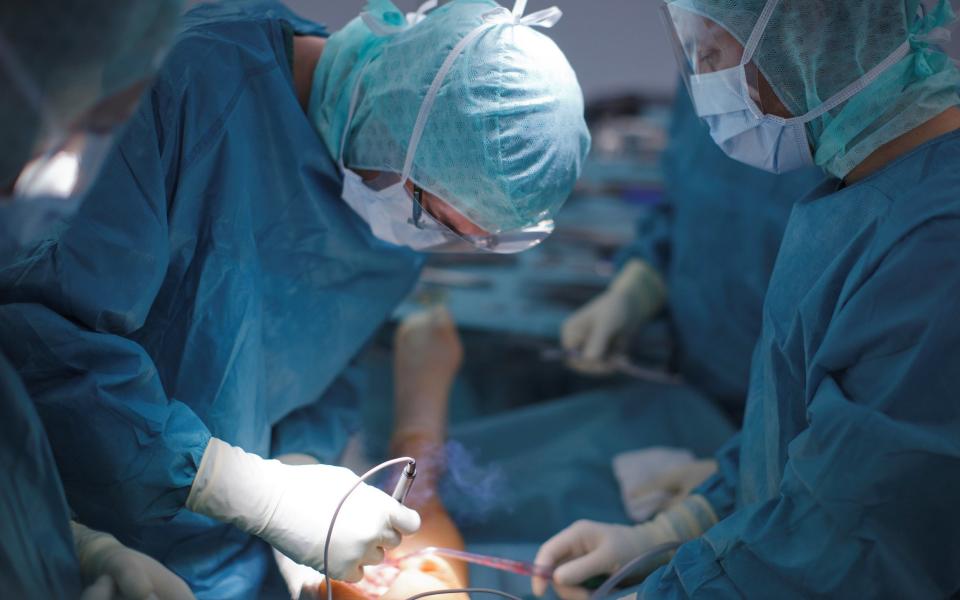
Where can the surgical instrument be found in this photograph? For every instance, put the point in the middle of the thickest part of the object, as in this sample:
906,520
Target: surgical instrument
620,364
405,482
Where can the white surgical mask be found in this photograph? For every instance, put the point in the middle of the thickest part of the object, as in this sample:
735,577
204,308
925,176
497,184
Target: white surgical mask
389,213
745,134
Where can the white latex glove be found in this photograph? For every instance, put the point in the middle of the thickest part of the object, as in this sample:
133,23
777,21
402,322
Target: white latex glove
587,548
297,577
290,508
121,573
603,326
671,487
654,479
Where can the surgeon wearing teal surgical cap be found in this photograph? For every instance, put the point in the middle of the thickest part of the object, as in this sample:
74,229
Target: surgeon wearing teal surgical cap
253,228
845,479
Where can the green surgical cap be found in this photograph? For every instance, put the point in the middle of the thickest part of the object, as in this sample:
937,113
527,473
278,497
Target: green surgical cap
504,141
813,49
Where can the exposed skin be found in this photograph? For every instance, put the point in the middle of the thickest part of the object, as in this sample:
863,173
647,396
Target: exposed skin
307,51
944,123
428,353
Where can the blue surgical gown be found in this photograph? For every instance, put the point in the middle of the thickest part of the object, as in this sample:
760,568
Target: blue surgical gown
37,558
715,238
845,479
213,284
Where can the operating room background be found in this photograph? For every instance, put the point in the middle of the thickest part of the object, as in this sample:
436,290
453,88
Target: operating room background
615,46
510,309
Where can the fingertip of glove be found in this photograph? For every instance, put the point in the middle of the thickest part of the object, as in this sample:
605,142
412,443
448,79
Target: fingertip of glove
405,520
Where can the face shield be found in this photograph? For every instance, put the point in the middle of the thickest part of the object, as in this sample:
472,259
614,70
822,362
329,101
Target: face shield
703,46
507,242
402,217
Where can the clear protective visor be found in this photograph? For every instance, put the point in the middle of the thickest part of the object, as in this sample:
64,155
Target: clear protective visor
703,46
504,242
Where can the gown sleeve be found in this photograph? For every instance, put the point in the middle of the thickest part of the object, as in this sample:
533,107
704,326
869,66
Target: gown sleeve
323,428
70,311
652,242
720,489
868,499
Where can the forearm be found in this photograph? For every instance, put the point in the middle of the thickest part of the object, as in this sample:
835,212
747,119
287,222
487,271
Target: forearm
420,410
127,452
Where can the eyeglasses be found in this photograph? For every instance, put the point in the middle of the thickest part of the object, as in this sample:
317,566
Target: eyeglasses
508,242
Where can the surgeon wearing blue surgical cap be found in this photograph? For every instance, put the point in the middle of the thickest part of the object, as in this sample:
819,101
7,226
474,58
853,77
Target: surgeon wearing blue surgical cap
845,479
71,73
255,225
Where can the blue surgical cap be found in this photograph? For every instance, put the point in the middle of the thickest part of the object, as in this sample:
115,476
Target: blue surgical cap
505,136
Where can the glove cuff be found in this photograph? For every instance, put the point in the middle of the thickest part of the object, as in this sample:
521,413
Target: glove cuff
91,546
643,286
689,519
235,487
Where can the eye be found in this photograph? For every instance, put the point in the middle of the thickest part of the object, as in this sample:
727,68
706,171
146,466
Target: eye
707,60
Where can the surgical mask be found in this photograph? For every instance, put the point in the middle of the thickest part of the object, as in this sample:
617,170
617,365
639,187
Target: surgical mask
726,99
389,212
767,142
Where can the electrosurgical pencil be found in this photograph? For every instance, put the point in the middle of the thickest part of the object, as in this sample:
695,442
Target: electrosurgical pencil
405,482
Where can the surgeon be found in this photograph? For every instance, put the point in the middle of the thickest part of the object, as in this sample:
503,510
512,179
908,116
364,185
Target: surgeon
844,479
257,222
70,75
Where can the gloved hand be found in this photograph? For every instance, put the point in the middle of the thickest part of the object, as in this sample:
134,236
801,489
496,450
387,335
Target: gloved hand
427,356
602,328
587,548
121,573
297,577
301,581
668,489
290,507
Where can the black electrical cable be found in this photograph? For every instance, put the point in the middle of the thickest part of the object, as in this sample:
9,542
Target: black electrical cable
620,574
467,590
333,519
